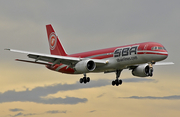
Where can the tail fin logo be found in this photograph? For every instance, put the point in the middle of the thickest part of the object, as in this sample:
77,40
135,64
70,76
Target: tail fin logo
52,40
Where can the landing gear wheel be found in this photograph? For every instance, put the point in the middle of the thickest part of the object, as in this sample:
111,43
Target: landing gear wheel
84,79
120,82
88,79
117,82
81,80
113,83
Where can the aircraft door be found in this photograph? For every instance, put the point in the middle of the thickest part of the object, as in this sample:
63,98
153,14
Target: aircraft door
145,48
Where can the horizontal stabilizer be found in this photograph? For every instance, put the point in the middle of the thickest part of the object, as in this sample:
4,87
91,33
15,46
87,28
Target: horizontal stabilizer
41,63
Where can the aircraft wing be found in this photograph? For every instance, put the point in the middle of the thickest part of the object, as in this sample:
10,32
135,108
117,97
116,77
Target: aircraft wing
164,63
54,59
157,63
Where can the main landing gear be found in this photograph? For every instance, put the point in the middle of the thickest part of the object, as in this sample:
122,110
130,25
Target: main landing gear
84,79
117,82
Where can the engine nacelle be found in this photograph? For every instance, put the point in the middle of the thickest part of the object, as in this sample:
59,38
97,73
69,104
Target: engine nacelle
85,66
141,71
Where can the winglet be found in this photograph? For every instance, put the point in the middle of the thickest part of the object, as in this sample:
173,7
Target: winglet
7,49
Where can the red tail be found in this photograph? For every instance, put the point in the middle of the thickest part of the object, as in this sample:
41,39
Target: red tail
54,44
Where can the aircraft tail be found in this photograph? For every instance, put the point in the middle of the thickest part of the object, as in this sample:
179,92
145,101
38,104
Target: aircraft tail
55,45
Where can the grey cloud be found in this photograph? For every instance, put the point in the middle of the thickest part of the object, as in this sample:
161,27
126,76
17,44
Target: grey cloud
172,97
16,109
101,95
56,111
47,112
35,94
30,96
139,80
30,114
92,111
67,100
19,114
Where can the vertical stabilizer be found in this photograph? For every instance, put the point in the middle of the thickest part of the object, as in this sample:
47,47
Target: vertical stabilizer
55,45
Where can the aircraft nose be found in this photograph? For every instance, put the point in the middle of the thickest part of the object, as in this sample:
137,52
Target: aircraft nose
165,55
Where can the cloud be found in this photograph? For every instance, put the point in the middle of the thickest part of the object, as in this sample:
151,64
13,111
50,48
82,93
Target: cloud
92,111
139,80
35,94
31,114
56,111
101,95
172,97
21,114
16,109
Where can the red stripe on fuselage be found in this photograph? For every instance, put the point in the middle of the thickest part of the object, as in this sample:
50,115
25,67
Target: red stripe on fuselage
151,53
141,46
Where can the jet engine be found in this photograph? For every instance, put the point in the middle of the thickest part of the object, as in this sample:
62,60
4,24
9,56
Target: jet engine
143,71
85,66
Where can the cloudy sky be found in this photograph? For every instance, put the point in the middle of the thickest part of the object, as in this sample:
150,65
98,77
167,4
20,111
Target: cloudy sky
82,25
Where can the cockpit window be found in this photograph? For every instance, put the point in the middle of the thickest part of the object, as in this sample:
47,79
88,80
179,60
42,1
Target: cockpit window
164,48
158,48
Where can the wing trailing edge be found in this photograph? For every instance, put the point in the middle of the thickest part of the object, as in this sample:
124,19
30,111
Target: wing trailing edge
54,59
27,61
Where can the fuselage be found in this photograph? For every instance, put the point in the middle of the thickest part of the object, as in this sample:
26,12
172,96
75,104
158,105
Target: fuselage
119,57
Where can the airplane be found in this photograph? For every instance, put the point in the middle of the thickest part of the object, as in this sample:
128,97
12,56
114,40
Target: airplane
138,57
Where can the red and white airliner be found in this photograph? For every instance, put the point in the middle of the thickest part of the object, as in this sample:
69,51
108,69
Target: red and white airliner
139,58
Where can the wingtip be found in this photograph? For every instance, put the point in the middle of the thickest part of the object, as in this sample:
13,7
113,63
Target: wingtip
16,59
7,49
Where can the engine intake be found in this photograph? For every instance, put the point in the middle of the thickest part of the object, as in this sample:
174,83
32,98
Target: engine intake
142,71
85,66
